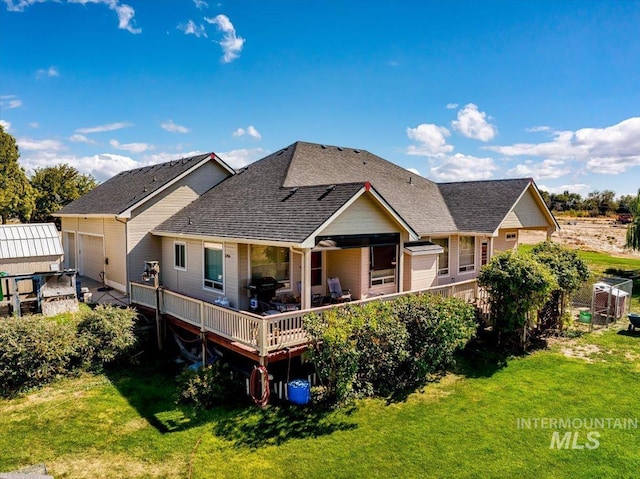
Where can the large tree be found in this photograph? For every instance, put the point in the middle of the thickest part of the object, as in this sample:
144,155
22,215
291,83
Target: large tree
57,186
16,194
633,230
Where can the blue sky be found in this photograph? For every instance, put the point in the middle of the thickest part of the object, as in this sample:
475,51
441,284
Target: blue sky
453,90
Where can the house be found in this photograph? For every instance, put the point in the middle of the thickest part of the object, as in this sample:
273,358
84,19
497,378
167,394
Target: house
225,240
31,275
106,233
309,212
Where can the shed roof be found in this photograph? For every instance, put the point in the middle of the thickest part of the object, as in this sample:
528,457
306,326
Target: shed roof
129,188
29,240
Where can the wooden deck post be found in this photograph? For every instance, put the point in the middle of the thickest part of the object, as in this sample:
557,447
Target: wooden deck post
305,300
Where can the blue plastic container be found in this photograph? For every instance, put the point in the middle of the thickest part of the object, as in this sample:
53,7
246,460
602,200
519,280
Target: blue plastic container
299,391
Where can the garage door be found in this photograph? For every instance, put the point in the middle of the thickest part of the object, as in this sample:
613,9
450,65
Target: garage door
91,256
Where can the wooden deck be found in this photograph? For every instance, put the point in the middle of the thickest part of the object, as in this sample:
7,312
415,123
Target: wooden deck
261,338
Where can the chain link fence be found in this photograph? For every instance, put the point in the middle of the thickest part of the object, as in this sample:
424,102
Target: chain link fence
602,300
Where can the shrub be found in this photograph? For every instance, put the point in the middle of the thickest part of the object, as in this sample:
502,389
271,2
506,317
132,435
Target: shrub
106,333
33,351
437,327
213,385
382,348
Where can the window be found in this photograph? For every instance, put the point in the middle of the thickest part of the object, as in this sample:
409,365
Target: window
443,258
511,236
383,264
316,268
271,261
213,266
467,256
180,256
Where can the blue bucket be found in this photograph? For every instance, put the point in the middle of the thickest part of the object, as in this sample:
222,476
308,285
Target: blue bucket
299,391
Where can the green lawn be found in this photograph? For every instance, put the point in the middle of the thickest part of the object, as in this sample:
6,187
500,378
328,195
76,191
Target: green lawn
466,425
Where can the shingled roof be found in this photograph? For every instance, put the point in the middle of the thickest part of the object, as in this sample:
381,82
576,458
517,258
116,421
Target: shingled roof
480,206
129,188
254,204
416,199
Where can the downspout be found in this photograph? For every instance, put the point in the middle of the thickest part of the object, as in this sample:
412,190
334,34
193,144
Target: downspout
126,253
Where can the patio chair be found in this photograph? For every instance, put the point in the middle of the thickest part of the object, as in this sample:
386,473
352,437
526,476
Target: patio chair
338,295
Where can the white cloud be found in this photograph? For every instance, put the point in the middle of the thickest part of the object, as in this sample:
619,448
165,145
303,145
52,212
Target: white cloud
78,138
125,12
547,169
243,157
231,43
34,124
5,124
452,106
431,138
413,170
163,157
611,150
250,131
472,123
572,188
461,167
10,101
536,129
107,127
39,145
200,4
102,165
190,28
170,126
47,72
131,147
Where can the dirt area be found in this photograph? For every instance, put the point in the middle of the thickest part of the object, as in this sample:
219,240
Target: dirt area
589,234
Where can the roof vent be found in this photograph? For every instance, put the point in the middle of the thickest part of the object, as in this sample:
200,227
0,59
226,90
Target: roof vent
324,147
340,148
411,180
328,190
154,178
190,222
145,188
291,193
356,151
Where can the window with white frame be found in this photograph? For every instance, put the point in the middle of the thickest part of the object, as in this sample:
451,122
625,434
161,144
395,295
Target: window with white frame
511,236
180,256
467,253
271,261
214,266
383,264
443,258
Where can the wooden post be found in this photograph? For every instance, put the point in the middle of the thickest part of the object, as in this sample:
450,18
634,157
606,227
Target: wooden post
158,319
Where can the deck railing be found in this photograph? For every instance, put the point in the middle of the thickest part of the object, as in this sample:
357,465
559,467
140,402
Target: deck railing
264,334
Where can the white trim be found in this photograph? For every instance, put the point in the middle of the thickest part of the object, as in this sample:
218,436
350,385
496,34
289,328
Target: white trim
224,239
212,156
175,266
214,282
541,204
309,242
65,246
448,272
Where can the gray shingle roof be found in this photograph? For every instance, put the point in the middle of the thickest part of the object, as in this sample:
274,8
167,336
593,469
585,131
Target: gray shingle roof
416,199
253,205
481,206
128,188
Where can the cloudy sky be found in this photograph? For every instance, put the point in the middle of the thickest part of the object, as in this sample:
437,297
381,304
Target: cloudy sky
452,90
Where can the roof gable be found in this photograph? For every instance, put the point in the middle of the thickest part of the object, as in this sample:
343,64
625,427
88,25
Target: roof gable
29,240
129,189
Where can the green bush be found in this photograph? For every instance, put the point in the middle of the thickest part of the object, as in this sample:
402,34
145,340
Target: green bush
213,385
33,351
381,348
106,333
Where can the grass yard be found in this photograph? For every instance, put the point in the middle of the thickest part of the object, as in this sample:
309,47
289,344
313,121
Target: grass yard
466,425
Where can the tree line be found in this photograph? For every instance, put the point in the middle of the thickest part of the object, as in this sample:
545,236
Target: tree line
36,197
596,203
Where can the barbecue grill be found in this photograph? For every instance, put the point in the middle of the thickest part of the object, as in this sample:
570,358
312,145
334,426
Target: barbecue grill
263,289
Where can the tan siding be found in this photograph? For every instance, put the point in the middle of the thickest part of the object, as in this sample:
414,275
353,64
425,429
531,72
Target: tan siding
501,244
420,271
25,266
364,216
114,245
347,265
91,226
91,256
525,214
231,273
